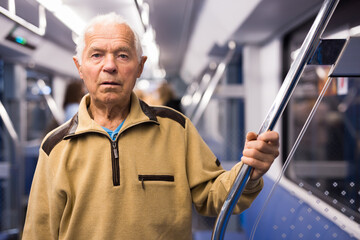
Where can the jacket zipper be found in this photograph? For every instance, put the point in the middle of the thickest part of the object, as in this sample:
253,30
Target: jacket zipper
115,163
167,178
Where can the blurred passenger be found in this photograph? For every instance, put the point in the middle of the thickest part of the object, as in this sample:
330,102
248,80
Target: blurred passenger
121,169
144,96
140,94
73,95
161,94
167,97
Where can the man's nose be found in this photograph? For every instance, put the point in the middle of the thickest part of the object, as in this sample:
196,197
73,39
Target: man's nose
109,64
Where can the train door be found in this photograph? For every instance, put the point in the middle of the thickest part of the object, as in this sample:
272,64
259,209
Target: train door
318,197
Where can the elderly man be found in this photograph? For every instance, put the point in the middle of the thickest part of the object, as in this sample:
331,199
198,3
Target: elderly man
121,169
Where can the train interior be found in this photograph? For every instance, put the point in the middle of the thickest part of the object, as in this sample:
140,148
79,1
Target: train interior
222,63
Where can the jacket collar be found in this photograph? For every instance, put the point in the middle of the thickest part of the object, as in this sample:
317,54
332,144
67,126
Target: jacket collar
139,113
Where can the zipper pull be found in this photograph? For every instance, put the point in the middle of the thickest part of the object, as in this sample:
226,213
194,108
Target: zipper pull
115,149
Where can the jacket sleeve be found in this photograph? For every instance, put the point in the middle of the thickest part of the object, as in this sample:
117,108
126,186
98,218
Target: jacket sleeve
45,206
209,182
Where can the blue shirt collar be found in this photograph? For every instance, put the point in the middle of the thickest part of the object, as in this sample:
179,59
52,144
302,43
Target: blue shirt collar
113,134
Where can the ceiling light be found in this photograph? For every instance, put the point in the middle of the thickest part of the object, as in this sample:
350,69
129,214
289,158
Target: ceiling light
65,14
355,31
51,5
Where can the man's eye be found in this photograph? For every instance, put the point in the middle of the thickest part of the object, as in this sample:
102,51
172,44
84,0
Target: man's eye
95,55
123,56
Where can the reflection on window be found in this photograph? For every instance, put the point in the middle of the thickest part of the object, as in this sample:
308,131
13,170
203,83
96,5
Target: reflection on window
327,161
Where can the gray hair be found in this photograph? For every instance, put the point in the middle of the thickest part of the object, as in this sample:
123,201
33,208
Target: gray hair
105,19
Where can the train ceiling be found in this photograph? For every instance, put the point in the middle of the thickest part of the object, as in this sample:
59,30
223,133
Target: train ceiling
188,30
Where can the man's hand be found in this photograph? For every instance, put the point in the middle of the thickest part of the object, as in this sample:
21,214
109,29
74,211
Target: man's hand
260,152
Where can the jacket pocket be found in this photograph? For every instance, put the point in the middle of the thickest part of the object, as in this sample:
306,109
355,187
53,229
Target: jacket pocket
166,178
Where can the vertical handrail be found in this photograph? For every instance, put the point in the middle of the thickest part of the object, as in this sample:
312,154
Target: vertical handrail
220,70
8,124
50,101
187,99
307,49
197,95
16,168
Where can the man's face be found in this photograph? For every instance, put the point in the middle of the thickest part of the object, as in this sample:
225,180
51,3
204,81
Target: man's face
110,65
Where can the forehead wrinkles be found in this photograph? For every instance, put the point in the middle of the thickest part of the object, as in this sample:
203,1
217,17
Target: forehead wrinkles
113,33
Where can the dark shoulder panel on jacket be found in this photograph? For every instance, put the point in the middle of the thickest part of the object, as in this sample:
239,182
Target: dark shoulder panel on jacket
170,113
57,136
163,112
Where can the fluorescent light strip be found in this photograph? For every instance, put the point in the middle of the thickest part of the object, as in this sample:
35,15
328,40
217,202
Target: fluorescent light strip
65,14
355,31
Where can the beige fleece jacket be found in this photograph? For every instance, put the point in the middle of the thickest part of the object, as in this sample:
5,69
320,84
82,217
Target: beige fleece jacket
141,186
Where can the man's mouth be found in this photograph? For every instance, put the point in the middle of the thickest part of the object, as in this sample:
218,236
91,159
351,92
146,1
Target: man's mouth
110,83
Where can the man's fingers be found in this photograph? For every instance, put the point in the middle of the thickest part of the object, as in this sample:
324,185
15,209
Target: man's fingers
250,136
260,167
253,156
270,136
263,147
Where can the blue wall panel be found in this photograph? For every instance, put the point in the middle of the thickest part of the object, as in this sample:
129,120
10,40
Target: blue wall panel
287,217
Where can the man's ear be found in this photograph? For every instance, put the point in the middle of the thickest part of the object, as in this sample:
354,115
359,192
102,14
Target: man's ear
78,66
141,65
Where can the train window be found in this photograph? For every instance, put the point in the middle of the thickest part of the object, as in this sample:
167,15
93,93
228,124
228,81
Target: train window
326,162
225,116
39,117
234,116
